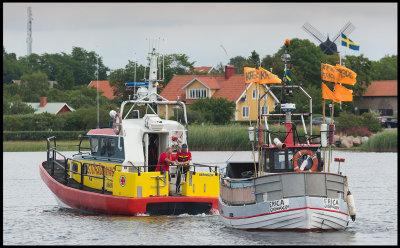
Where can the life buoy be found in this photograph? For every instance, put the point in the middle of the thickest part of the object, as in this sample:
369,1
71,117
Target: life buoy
309,154
117,123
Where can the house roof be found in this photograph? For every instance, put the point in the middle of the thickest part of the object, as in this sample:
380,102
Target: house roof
209,82
230,88
50,107
202,69
382,88
105,87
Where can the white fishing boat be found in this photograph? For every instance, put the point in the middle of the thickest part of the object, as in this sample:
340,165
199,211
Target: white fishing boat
288,187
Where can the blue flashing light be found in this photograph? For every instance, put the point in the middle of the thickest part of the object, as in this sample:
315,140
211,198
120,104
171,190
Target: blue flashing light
137,84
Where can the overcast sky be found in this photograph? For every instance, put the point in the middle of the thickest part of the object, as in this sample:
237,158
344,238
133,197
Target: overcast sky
119,32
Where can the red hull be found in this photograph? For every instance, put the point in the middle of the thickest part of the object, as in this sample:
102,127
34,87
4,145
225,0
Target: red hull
94,202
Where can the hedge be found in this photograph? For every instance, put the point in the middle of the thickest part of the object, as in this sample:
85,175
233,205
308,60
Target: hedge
41,135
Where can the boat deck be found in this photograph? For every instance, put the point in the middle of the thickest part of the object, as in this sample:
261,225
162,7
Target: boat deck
59,176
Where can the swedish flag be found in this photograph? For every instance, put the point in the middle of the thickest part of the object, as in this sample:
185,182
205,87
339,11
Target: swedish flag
287,76
349,43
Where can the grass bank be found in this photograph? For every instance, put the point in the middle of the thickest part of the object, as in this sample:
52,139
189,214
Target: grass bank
385,141
216,138
41,146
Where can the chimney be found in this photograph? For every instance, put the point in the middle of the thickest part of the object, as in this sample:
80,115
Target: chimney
43,101
229,71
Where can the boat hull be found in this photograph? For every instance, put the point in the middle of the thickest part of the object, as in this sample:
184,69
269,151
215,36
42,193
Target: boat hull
109,204
306,214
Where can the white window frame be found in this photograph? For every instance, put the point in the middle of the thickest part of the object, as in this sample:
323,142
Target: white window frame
197,93
243,111
254,96
264,107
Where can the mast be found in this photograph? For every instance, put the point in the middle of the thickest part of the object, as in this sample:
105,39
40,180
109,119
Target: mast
29,32
98,111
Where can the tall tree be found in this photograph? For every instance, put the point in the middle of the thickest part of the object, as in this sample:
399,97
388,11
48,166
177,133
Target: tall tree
385,68
65,79
34,85
239,62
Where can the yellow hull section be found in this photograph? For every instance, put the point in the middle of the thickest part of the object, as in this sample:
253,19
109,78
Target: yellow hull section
145,184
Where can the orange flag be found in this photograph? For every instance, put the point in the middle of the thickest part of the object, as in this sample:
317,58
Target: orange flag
343,94
328,94
251,75
345,75
329,73
267,77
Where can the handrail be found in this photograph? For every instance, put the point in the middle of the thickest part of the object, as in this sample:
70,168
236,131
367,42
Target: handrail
54,161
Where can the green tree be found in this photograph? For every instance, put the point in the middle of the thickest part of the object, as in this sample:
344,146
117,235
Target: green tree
34,85
11,68
385,68
361,66
215,110
65,79
239,62
16,107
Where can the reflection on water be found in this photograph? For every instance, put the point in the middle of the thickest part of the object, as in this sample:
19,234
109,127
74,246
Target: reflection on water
31,215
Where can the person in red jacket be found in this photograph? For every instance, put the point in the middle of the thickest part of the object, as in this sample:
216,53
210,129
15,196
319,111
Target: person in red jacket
165,160
183,157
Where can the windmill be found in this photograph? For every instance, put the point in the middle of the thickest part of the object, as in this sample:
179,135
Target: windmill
327,46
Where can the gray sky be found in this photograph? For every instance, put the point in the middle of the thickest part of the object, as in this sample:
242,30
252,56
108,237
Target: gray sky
118,31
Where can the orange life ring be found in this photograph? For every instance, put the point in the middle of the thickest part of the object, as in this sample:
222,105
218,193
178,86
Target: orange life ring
117,125
309,154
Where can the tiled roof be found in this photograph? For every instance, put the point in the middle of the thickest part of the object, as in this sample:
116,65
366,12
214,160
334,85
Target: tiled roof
104,86
382,88
50,107
229,89
209,81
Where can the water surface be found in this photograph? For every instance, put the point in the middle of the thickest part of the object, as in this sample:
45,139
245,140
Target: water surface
31,215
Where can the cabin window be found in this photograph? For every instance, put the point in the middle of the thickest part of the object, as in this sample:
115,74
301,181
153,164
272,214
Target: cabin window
103,148
94,144
279,158
111,147
197,93
245,112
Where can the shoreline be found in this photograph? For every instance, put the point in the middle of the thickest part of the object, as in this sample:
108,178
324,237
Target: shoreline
71,146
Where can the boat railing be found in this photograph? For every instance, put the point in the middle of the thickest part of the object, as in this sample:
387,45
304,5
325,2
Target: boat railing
52,159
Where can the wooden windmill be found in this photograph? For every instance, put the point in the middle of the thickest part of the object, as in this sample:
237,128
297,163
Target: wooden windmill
327,46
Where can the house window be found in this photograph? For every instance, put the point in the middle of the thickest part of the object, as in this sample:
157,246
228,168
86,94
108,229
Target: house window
197,93
245,112
255,94
264,109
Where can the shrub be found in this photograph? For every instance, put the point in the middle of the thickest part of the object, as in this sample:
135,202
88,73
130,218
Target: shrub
357,131
371,121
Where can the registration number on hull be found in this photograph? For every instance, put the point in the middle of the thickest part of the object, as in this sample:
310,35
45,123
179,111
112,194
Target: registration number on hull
279,205
331,203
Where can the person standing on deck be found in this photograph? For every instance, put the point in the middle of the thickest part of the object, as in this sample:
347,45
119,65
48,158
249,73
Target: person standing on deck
184,156
165,160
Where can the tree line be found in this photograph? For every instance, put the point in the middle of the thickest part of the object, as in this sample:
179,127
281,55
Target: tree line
74,71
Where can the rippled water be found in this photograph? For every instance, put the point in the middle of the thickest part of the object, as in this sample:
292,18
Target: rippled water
31,215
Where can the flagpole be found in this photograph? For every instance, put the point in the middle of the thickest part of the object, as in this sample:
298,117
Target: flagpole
323,121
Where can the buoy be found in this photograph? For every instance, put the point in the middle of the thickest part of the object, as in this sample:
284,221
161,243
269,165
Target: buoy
351,205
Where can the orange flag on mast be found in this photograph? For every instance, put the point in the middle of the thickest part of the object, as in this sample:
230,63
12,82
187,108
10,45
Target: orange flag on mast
343,94
329,73
251,75
345,75
267,77
328,94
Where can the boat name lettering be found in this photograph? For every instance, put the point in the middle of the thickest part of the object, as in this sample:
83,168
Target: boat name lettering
331,203
278,205
97,170
205,174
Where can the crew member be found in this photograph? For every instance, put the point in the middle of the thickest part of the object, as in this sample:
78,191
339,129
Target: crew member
184,157
165,160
